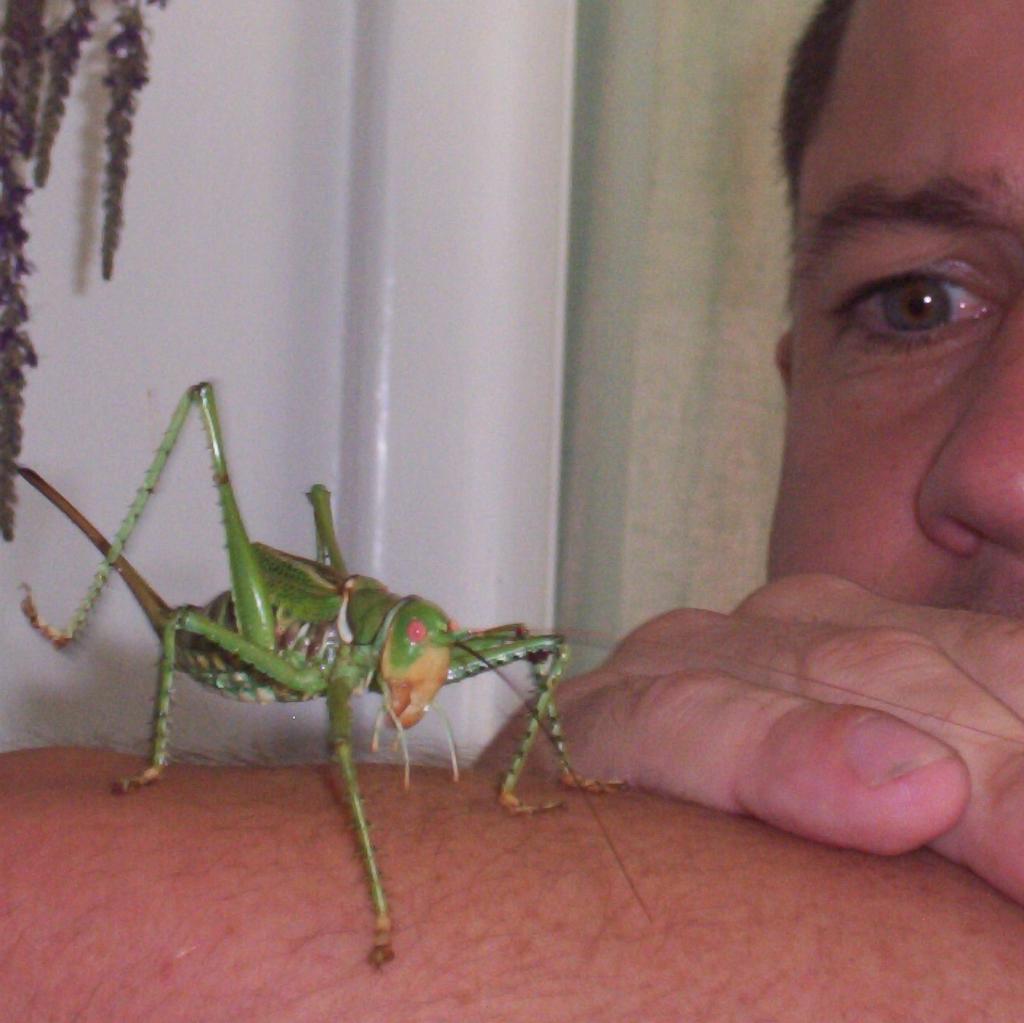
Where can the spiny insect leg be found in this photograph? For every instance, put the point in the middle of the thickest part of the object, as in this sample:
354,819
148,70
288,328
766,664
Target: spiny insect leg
161,714
545,680
341,755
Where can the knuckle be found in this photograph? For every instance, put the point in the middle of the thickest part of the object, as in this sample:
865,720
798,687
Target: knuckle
677,622
661,643
800,593
860,651
709,726
979,628
1005,782
681,694
708,706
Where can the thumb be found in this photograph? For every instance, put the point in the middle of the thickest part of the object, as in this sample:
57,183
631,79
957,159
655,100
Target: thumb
840,774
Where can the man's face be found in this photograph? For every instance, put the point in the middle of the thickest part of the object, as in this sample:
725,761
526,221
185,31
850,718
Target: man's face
904,460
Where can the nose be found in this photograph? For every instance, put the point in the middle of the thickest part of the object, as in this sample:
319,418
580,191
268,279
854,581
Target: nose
973,493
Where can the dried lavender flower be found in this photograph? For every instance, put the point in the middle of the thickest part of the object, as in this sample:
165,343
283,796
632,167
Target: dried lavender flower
20,51
64,46
126,76
27,57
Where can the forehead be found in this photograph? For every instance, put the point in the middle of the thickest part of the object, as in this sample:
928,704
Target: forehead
923,89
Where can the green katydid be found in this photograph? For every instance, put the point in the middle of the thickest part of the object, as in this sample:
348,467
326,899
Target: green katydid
293,628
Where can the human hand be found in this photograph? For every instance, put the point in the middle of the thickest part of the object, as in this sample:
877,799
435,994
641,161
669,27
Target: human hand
828,711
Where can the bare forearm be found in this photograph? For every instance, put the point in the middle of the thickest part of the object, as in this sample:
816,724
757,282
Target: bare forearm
237,893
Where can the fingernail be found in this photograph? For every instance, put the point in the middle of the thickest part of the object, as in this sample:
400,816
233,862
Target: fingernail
881,749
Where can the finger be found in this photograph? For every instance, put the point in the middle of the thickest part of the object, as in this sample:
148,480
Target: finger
988,649
989,839
838,774
897,670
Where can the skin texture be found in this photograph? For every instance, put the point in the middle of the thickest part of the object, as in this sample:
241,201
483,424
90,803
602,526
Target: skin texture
235,893
902,486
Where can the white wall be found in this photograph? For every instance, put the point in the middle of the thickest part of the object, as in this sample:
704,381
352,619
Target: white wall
351,217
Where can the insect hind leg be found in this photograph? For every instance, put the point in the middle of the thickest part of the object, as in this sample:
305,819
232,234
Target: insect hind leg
58,637
161,713
191,620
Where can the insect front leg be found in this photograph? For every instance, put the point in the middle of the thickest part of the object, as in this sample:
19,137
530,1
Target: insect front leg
489,649
545,680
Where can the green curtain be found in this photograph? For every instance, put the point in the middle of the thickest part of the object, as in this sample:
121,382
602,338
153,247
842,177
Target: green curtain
678,265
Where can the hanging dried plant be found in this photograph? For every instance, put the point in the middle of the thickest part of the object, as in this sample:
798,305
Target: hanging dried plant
33,38
125,79
64,47
20,57
29,55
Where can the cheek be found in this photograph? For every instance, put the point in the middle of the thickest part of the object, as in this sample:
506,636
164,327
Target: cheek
847,497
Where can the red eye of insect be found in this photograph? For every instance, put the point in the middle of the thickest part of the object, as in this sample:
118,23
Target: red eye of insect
416,631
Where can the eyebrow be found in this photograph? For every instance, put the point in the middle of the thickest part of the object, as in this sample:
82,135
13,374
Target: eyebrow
945,202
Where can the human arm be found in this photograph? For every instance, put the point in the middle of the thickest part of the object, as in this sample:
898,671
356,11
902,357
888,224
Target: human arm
236,893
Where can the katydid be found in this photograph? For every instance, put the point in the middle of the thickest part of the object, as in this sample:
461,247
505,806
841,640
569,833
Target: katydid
293,628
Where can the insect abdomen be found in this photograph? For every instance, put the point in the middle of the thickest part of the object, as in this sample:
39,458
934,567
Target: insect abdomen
302,644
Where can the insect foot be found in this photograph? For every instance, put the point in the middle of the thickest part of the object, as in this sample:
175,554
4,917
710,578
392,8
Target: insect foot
136,781
55,636
511,802
591,785
382,952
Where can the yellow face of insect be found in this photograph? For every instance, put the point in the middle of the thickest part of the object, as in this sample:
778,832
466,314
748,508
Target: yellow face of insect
411,690
416,659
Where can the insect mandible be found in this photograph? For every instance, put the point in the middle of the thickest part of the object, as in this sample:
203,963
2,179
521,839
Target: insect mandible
293,628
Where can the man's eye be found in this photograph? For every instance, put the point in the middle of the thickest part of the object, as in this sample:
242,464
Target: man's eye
913,305
920,304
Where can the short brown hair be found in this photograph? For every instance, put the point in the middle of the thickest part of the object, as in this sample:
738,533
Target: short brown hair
811,70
